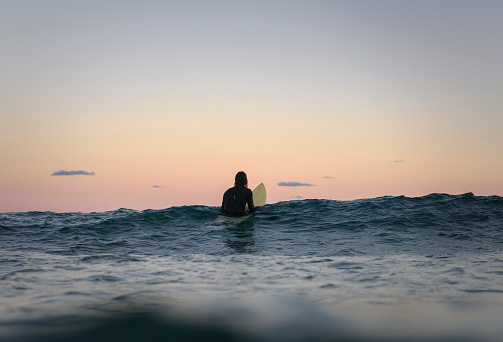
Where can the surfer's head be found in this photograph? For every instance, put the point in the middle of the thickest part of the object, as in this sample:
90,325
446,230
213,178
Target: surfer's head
241,181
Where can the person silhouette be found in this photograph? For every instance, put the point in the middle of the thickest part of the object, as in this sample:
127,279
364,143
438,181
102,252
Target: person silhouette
236,198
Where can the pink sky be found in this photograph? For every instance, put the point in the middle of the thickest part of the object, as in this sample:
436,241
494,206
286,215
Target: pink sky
182,97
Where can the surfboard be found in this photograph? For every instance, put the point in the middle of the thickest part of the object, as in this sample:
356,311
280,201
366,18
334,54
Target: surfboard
259,195
259,199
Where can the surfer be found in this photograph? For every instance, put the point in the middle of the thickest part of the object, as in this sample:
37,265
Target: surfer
236,198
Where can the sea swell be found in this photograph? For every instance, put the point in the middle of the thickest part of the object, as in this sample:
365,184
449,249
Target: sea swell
452,221
298,270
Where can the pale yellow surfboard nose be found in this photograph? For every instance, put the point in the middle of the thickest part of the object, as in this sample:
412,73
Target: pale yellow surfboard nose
259,195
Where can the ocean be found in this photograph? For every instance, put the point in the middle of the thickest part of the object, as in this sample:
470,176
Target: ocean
383,269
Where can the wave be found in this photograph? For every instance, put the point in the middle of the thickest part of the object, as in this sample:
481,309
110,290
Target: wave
434,210
114,271
429,225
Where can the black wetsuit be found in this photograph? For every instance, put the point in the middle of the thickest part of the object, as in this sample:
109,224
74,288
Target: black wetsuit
234,202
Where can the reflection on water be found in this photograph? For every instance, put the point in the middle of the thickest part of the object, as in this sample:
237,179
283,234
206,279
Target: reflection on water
241,237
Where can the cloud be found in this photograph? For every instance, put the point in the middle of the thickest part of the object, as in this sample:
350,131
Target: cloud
294,184
399,161
157,186
327,177
298,197
72,173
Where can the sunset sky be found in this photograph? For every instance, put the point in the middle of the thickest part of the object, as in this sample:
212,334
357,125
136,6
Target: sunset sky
154,104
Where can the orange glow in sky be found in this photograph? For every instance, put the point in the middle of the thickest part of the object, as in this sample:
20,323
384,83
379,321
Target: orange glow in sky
166,101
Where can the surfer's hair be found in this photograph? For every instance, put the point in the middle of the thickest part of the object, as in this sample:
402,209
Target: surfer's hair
241,181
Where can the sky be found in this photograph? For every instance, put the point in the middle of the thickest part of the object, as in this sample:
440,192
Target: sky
151,104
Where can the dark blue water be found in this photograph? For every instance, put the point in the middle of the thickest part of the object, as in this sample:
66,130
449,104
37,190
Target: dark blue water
389,268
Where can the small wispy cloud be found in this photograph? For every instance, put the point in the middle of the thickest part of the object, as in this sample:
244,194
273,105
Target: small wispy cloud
328,177
294,184
399,161
157,186
72,173
298,197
